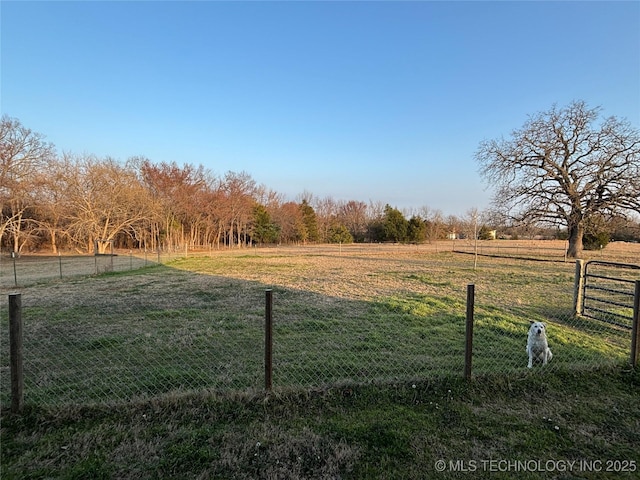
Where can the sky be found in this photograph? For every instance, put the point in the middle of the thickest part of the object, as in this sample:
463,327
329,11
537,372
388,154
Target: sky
383,102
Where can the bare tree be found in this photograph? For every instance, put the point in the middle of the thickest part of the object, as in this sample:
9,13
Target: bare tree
107,198
564,167
353,215
471,225
326,212
289,218
183,199
53,204
24,156
239,200
434,221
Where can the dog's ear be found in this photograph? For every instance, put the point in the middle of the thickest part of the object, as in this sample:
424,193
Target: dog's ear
531,322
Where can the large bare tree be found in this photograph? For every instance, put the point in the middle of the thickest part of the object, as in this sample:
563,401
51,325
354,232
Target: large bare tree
565,166
24,156
106,199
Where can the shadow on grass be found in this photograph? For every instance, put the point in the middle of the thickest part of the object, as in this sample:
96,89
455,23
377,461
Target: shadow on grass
125,336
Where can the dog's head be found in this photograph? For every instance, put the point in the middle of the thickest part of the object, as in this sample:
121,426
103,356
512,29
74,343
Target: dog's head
538,329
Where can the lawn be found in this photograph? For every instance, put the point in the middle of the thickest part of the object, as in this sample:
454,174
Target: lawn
531,426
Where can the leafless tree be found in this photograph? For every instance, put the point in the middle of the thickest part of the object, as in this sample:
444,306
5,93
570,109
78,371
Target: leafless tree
289,218
239,199
471,224
24,156
183,200
107,198
326,209
53,205
353,215
435,223
564,167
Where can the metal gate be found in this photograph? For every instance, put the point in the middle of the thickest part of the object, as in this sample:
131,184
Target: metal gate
609,290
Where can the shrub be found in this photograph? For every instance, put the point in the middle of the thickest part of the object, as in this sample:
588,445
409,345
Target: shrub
595,241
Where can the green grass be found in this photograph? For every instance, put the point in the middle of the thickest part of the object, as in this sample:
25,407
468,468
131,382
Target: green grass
381,431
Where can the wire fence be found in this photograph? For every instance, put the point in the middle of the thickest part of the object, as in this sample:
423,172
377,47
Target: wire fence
16,271
529,250
198,324
25,270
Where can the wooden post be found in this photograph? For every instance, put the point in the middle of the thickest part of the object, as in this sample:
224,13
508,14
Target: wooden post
268,340
635,330
578,288
60,262
15,352
468,347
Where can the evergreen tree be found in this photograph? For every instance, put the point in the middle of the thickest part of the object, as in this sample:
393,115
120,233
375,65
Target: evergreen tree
263,229
338,233
310,221
417,230
394,226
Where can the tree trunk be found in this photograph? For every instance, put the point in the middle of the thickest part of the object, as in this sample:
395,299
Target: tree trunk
576,232
54,245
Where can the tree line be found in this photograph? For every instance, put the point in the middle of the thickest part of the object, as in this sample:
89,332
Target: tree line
54,202
57,202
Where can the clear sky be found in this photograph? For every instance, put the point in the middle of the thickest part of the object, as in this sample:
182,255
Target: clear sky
370,101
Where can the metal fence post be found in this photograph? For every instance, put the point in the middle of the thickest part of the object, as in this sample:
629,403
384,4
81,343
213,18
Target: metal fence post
15,272
578,288
15,352
268,340
468,347
635,330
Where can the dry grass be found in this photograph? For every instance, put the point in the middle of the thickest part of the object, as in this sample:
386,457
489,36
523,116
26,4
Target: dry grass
33,269
342,314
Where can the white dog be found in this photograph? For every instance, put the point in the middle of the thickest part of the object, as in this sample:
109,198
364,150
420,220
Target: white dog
537,345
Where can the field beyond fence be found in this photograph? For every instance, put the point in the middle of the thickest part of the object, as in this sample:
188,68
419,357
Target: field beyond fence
145,326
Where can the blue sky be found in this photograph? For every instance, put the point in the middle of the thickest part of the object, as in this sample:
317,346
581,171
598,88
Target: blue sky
370,101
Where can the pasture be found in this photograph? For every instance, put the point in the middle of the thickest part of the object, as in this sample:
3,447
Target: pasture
342,315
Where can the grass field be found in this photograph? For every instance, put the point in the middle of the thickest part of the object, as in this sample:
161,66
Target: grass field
358,316
197,323
158,372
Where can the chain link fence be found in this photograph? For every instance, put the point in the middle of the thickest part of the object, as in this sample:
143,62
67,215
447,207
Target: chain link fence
198,324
